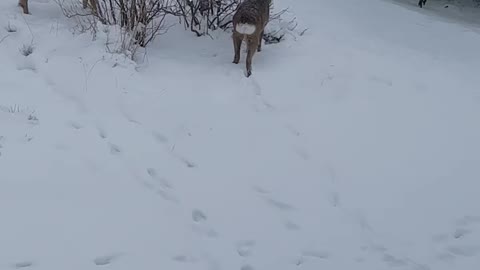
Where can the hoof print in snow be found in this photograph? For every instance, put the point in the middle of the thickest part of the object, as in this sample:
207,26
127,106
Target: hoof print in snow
247,267
302,153
198,216
280,205
160,138
188,163
154,175
104,260
244,248
316,254
260,190
460,232
203,231
334,199
115,149
466,251
393,261
184,259
291,226
24,264
75,125
102,133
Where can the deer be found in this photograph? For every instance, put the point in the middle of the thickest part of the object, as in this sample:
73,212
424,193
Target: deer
249,22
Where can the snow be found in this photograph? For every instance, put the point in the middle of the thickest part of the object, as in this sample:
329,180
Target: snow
354,146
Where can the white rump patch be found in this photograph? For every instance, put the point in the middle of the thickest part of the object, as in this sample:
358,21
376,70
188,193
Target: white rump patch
245,28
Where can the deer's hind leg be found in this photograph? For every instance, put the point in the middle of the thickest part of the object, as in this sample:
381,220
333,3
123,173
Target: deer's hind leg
260,38
24,5
237,44
252,44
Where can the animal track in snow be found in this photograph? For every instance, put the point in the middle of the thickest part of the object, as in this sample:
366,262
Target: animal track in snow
187,162
311,254
247,267
244,248
260,190
160,138
102,133
104,260
293,130
302,153
158,185
334,199
185,259
199,225
153,174
75,125
461,232
279,204
114,149
393,261
292,226
198,216
464,250
23,264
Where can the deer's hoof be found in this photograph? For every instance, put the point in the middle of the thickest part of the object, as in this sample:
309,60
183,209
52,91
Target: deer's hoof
235,61
249,73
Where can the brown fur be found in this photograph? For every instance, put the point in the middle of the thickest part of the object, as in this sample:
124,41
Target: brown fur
254,12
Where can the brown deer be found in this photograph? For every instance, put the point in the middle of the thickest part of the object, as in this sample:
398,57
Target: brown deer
249,22
24,5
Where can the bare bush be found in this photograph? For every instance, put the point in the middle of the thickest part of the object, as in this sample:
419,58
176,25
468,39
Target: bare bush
142,19
137,22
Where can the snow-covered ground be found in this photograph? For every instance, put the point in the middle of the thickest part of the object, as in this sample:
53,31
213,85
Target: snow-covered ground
354,146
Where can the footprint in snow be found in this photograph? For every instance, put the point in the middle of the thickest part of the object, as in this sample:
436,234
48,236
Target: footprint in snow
160,138
75,125
104,260
393,261
291,226
464,250
247,267
23,264
279,204
199,225
198,216
115,149
101,133
461,232
184,259
311,254
154,175
244,248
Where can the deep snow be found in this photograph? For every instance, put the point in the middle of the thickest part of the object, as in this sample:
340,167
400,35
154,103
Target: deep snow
354,146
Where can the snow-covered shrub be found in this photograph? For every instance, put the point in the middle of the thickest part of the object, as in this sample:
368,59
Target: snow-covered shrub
142,19
281,24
